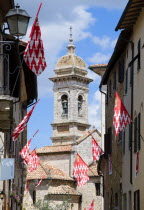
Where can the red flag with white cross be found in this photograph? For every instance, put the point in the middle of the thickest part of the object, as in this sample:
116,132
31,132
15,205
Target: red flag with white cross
34,52
80,171
121,116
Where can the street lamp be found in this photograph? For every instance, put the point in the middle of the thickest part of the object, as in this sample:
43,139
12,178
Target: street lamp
17,20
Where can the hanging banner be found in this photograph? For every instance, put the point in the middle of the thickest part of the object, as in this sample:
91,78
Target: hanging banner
6,169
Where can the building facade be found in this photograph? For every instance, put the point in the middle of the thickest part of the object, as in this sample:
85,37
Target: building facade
123,186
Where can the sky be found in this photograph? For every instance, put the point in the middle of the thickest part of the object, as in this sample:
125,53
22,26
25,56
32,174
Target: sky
94,36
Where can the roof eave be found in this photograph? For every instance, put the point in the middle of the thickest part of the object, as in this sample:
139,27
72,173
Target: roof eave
123,14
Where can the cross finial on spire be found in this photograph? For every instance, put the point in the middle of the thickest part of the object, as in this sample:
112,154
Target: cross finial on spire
70,39
71,46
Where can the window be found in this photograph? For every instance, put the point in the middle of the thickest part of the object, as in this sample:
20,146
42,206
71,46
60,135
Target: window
97,186
34,197
110,88
114,81
123,142
139,55
107,95
125,201
139,131
116,201
64,100
108,142
120,137
130,201
80,100
126,82
130,135
135,134
137,200
121,71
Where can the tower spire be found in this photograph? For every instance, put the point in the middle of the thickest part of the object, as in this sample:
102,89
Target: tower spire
71,46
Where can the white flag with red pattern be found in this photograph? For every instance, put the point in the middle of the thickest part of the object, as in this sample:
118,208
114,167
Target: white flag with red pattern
25,150
23,124
96,150
80,171
121,116
32,161
34,52
91,207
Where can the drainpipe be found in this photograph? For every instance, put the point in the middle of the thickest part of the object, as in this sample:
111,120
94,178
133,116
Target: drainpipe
132,94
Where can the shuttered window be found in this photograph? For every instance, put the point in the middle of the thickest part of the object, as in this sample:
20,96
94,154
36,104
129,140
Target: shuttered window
130,135
114,81
121,71
139,55
108,143
110,88
110,140
137,200
135,135
126,81
139,131
123,142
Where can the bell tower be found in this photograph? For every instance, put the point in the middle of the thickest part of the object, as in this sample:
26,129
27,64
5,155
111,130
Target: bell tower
70,97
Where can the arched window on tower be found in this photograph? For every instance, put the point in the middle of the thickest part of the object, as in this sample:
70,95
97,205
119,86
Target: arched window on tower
64,100
80,100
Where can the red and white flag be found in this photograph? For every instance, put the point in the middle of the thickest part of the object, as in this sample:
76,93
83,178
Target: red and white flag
121,116
80,171
34,52
91,207
23,124
25,150
137,163
39,182
32,161
96,150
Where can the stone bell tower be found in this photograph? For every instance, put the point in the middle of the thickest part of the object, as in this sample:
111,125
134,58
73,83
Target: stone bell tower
70,97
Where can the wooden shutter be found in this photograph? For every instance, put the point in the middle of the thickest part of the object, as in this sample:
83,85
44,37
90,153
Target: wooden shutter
123,142
121,71
110,140
114,82
137,200
126,81
106,145
135,135
139,52
130,135
139,131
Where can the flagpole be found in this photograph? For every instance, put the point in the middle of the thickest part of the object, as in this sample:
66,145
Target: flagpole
39,10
